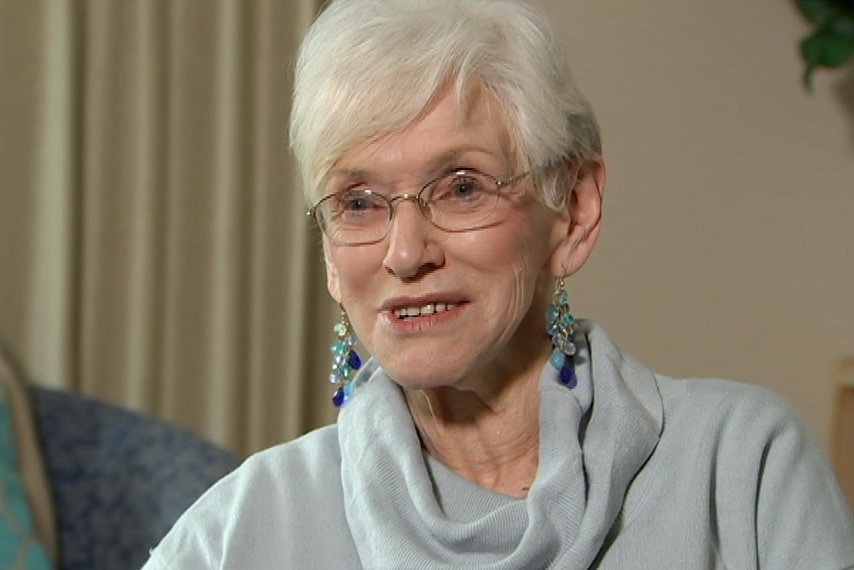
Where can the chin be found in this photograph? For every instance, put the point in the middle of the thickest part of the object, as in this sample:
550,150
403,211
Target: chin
423,373
419,381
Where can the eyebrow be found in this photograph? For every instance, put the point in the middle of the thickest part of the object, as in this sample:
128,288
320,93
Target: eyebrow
437,163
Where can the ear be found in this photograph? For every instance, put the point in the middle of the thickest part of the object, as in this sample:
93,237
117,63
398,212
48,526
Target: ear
332,283
578,224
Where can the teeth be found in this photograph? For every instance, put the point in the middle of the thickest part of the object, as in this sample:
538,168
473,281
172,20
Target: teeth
424,310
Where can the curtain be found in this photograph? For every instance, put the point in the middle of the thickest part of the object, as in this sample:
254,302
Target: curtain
154,248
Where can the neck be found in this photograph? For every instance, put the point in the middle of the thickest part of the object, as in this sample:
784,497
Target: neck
489,438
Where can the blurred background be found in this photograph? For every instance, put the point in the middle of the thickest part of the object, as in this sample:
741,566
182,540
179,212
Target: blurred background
154,249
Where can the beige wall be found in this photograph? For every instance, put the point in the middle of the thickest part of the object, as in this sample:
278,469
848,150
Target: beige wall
727,245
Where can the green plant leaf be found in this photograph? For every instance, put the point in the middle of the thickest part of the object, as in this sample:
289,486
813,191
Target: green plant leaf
843,25
826,47
822,11
832,43
808,72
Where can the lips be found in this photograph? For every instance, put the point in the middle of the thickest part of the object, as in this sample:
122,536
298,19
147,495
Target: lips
422,310
431,305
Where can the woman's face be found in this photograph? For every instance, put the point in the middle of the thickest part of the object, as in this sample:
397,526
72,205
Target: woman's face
466,294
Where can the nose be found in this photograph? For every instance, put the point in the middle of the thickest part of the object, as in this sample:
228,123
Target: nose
413,244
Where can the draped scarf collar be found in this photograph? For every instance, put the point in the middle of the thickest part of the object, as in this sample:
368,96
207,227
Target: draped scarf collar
594,438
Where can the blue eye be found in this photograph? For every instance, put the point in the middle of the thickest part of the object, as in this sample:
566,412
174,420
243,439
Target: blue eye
463,186
357,207
355,203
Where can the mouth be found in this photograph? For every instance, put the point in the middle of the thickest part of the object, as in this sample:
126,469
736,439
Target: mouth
425,310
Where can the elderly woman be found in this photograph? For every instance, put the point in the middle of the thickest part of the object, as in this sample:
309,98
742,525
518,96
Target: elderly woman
455,171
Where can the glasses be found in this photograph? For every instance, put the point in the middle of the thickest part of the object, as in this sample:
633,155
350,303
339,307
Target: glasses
458,201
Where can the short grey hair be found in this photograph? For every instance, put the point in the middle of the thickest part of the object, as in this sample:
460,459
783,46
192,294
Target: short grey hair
367,68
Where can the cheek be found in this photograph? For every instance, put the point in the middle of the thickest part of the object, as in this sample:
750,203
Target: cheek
333,284
527,267
512,262
531,263
350,270
522,245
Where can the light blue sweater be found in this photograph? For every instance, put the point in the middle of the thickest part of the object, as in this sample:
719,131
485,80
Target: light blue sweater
636,471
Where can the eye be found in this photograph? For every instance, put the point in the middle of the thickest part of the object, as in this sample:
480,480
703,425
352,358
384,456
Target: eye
464,185
354,201
460,186
357,205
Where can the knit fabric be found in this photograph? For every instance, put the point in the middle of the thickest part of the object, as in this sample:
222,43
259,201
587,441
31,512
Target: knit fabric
636,471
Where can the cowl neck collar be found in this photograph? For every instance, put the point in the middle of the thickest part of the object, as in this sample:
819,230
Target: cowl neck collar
594,438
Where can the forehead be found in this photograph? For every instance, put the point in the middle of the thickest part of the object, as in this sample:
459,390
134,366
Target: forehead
452,128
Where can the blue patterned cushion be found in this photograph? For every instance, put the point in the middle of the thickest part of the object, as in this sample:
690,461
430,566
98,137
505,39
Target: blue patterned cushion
120,479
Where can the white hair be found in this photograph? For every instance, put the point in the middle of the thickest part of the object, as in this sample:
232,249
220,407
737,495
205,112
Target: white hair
367,68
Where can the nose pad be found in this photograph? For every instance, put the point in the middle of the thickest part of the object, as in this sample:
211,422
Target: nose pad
423,205
407,197
397,201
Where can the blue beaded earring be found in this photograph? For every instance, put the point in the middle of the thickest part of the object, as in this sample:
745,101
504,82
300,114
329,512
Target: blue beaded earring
345,360
560,324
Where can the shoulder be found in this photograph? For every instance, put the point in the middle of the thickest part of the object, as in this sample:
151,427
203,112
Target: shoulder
316,451
729,397
761,453
738,456
717,417
287,473
741,426
742,454
756,444
729,408
313,457
267,509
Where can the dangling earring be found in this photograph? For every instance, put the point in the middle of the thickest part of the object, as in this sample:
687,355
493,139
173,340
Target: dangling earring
560,324
345,360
